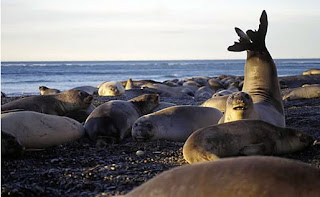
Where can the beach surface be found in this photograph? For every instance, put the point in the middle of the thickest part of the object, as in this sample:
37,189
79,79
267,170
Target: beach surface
81,168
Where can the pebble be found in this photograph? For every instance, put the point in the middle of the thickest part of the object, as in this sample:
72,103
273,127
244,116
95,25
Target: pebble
139,153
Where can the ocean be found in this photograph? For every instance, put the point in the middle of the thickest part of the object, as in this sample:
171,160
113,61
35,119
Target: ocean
24,78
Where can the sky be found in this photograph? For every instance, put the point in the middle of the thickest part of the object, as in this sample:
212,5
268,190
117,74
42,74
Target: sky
70,30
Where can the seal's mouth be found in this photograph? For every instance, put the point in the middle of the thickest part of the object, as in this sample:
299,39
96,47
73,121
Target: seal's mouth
240,107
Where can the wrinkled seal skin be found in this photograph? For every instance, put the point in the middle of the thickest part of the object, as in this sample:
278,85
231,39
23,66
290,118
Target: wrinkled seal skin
243,137
260,75
113,120
242,177
56,104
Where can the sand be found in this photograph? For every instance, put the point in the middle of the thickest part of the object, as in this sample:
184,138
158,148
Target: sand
81,169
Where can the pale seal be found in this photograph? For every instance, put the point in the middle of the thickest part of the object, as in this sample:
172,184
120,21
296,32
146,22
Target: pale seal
306,92
56,104
242,177
243,137
174,123
111,88
113,120
239,106
260,77
37,130
218,102
314,71
47,91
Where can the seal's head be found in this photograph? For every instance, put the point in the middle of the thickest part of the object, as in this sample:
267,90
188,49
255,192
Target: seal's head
75,99
143,129
146,102
291,140
239,101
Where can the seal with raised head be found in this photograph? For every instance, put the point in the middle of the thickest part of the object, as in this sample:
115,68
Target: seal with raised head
242,177
260,75
111,88
243,137
239,106
174,123
114,119
37,130
47,91
56,104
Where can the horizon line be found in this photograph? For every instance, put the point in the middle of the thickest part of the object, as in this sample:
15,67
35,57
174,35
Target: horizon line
143,60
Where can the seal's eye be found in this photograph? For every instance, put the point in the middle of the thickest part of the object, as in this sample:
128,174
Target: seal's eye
83,94
247,96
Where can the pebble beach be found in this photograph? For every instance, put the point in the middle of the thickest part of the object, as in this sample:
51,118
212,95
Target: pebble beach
81,168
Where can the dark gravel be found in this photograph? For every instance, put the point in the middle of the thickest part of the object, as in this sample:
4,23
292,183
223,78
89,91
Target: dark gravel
81,168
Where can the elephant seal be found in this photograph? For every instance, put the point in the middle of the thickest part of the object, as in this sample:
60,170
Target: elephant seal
114,119
10,146
314,71
260,74
37,130
243,176
174,123
162,105
56,104
218,102
243,137
47,91
306,92
239,106
111,88
88,89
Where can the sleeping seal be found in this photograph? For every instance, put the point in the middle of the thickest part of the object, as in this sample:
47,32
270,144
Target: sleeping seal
243,137
260,75
37,130
113,120
314,71
242,177
56,104
174,123
306,92
111,88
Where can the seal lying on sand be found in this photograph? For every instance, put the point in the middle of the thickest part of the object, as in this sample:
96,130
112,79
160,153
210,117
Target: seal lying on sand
306,92
242,177
111,88
47,91
260,77
243,137
114,119
174,123
56,104
36,130
10,146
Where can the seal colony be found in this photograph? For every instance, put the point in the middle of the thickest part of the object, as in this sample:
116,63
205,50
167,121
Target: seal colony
252,124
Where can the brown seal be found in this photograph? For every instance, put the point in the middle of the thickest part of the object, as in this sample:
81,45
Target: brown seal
242,177
113,120
243,137
260,77
56,104
47,91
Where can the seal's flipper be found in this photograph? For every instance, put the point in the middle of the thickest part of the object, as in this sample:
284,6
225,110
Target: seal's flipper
253,149
252,40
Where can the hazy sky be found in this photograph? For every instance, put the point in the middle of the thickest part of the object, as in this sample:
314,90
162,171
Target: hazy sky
152,29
